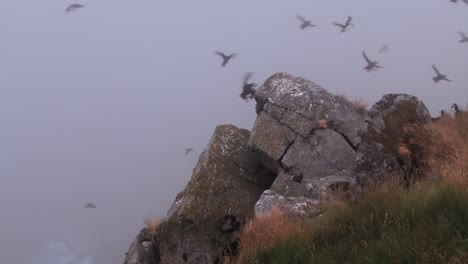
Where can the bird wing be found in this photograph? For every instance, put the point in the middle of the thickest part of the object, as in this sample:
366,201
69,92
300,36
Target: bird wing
220,54
461,33
303,20
365,57
435,69
349,20
72,7
338,24
465,1
247,77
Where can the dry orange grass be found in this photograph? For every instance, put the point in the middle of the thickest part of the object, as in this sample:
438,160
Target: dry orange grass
360,103
446,146
404,151
152,223
265,231
357,102
322,123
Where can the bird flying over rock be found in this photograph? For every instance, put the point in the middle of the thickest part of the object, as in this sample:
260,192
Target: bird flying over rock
248,91
305,23
464,38
90,206
439,76
226,58
188,150
344,27
73,7
371,65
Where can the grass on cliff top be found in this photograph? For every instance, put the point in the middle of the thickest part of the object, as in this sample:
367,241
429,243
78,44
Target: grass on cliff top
425,223
428,224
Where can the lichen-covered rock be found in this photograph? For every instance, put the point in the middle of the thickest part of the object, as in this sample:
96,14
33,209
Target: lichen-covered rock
298,206
394,111
205,217
392,123
314,140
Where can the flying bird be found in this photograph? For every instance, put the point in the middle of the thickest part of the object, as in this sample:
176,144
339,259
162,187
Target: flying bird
248,91
226,58
73,7
371,65
456,1
344,27
384,49
439,76
90,206
464,38
305,23
188,150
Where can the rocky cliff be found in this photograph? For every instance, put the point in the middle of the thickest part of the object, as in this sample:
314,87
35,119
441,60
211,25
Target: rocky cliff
305,144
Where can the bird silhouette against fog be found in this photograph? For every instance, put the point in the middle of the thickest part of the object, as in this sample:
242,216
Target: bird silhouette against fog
226,58
73,7
464,38
188,150
305,23
90,206
248,91
439,76
371,65
344,27
456,1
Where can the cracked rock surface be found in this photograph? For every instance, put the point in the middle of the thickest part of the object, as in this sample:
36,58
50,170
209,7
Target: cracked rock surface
314,140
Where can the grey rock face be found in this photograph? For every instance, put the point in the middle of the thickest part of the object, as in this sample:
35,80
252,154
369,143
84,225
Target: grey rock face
143,250
317,142
206,217
396,110
294,206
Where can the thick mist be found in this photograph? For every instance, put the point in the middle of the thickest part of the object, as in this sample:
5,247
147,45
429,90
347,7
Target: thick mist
98,105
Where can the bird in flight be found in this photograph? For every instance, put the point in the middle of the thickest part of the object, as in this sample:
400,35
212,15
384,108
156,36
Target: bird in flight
73,7
384,49
456,1
344,27
90,206
248,91
464,38
439,76
305,23
226,58
371,65
188,150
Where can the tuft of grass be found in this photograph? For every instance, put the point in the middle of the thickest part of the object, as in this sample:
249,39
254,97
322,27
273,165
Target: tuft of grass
152,223
359,103
265,231
445,144
322,123
426,224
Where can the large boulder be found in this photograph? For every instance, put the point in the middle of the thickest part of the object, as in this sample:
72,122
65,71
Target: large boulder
205,219
394,121
315,141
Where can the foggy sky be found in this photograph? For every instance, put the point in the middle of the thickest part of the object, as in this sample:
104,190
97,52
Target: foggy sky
98,105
